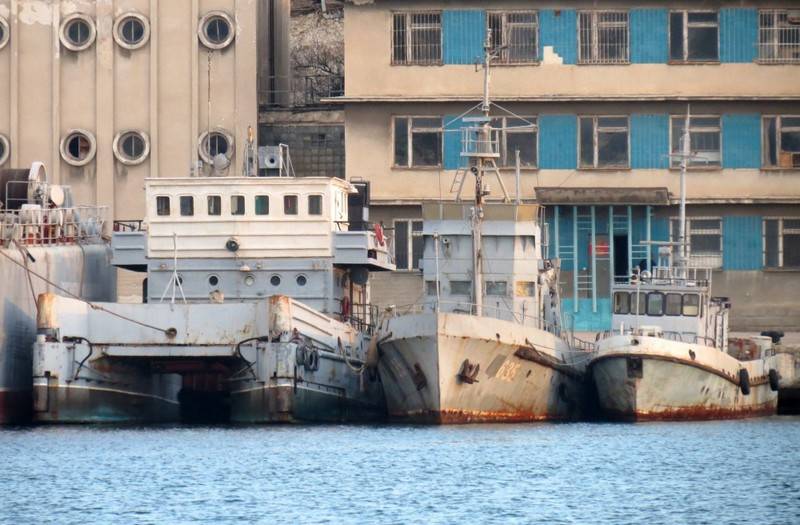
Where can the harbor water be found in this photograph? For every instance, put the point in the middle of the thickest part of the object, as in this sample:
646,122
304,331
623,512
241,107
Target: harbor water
708,472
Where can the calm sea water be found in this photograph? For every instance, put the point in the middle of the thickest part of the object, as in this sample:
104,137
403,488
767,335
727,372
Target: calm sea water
711,472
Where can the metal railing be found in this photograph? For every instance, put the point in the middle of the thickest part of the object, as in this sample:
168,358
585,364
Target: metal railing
779,36
54,226
477,142
300,91
133,225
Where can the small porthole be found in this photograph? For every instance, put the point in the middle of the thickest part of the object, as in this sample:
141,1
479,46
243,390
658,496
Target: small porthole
250,280
5,149
4,32
275,280
131,30
216,30
213,280
78,32
78,147
215,143
131,147
301,280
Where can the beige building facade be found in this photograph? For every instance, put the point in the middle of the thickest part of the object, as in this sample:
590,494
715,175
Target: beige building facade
108,93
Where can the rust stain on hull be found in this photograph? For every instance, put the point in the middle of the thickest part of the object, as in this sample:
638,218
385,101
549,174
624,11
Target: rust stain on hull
694,413
461,417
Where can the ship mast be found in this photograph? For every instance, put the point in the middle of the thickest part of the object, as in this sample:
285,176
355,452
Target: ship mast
685,156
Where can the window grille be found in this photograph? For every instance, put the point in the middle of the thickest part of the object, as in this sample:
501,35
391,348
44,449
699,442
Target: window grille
516,35
603,37
694,36
408,244
517,134
703,241
417,38
704,141
782,242
603,142
418,142
779,36
781,141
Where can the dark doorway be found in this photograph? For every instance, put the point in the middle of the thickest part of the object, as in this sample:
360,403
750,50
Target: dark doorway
621,268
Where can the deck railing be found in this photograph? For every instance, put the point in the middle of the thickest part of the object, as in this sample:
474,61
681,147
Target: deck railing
53,226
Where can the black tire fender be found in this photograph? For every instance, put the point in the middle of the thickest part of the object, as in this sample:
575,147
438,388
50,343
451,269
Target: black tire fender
744,381
774,380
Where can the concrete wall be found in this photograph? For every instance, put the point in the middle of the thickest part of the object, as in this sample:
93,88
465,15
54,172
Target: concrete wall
315,139
161,88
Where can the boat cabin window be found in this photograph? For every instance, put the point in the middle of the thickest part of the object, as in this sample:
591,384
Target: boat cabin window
290,204
214,205
262,204
526,288
496,288
691,305
622,303
641,307
673,306
162,206
187,205
315,204
237,204
460,287
655,304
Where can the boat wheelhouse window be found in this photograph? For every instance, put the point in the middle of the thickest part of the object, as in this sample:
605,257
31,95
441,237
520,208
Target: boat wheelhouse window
638,303
691,305
290,204
622,303
704,141
214,205
499,288
460,287
673,305
526,289
262,204
655,303
187,205
237,205
162,206
315,204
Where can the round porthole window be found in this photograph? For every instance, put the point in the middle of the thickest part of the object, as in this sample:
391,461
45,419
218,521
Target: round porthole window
275,280
77,32
131,30
131,147
4,32
216,30
215,143
301,280
78,147
5,149
213,280
250,280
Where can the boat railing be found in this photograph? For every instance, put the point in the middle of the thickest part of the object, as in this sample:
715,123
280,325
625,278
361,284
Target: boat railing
670,335
361,316
36,226
132,225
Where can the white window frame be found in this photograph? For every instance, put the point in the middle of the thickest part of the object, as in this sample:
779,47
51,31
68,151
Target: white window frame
597,47
781,232
507,158
685,27
410,129
596,128
407,44
769,45
504,57
704,260
675,162
409,244
777,138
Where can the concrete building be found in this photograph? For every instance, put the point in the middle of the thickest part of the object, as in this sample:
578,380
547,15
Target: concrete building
602,89
109,93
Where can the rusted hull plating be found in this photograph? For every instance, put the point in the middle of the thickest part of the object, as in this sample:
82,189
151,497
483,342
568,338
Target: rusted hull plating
643,387
467,369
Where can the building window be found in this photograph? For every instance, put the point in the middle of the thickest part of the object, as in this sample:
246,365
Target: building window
216,30
187,205
215,143
77,32
461,288
778,36
694,36
408,244
290,204
782,243
418,142
703,241
526,288
603,37
131,31
78,147
603,142
4,32
131,147
498,288
237,205
315,204
704,141
515,34
417,38
781,141
5,149
517,134
262,204
162,206
214,205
